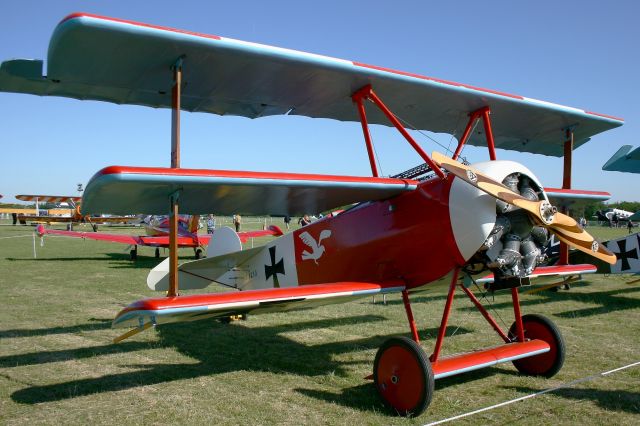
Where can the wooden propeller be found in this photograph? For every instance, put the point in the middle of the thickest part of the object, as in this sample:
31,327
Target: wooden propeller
562,225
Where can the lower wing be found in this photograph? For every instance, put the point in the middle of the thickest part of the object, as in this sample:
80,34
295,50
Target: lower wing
161,241
161,310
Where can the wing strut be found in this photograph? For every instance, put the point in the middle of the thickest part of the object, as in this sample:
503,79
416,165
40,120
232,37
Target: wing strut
367,92
482,113
175,164
566,184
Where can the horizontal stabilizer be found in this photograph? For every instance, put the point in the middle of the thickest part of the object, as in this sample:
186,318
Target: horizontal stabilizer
163,310
198,274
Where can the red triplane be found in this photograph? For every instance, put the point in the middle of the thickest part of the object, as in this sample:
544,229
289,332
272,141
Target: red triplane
437,223
157,230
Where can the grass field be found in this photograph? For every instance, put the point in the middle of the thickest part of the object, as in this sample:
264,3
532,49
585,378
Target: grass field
58,365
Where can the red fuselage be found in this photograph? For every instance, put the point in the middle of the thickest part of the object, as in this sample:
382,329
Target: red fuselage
407,238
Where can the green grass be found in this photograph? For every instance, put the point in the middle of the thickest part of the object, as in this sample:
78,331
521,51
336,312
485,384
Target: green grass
58,365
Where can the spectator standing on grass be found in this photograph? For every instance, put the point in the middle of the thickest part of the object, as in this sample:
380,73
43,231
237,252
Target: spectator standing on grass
287,221
237,221
304,220
211,224
629,226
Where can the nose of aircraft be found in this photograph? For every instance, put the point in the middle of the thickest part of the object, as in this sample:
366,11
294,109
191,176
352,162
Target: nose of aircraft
472,212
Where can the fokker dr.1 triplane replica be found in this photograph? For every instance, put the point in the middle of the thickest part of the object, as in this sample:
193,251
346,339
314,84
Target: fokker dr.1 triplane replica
441,222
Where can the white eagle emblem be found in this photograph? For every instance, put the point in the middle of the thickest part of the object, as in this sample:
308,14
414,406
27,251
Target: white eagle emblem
317,248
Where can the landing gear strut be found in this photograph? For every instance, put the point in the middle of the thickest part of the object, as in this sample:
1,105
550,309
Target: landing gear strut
133,254
404,375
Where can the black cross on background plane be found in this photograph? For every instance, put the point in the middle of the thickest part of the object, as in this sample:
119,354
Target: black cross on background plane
624,255
275,268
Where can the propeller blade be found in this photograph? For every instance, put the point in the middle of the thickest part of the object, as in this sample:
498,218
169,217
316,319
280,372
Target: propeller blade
542,210
584,242
564,226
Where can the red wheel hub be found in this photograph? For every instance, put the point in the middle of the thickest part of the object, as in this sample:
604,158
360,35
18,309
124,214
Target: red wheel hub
400,378
539,364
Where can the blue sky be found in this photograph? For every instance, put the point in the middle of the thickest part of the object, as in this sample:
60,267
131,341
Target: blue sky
577,53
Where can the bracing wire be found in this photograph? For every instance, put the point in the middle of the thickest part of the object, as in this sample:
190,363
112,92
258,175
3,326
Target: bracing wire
412,127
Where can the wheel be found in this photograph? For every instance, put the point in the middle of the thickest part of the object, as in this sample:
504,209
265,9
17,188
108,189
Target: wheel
95,227
403,376
198,254
548,363
157,252
133,254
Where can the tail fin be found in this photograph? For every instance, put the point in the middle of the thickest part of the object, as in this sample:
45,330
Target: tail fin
40,230
223,241
276,230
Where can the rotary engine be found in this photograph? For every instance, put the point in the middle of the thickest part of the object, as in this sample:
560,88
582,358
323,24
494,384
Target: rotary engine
515,245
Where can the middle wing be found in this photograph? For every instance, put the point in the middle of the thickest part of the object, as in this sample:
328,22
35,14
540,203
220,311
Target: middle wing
126,190
551,271
161,310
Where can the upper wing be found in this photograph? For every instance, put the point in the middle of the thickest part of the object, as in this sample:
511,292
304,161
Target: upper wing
551,271
189,308
113,60
624,160
125,190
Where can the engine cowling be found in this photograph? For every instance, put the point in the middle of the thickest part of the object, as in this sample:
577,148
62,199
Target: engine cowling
491,234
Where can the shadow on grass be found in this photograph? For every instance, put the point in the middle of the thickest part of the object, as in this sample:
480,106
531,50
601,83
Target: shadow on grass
362,397
365,398
218,348
44,357
613,400
607,301
95,324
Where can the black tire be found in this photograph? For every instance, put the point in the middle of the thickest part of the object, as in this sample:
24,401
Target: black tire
157,252
198,254
548,363
133,254
95,227
403,376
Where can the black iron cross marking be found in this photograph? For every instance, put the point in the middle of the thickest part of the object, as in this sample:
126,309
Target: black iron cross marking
275,268
624,255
